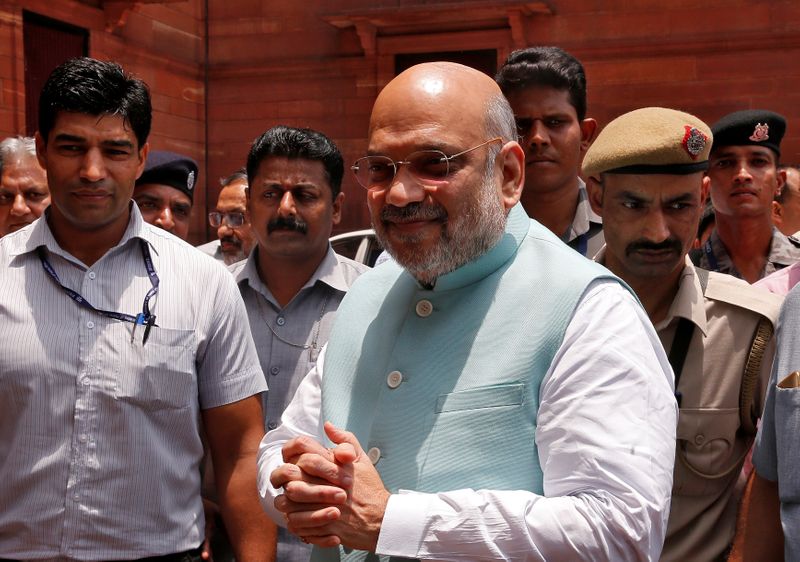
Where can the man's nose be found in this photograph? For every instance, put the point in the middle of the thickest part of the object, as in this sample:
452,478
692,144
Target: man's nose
538,135
93,166
404,189
165,219
657,229
20,207
287,206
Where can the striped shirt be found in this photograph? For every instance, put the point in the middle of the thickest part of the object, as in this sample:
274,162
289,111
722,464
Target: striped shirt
99,435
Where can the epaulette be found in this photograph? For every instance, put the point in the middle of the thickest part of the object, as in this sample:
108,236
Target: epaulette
729,289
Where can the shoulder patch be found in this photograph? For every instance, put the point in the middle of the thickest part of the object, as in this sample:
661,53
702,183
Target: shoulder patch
729,289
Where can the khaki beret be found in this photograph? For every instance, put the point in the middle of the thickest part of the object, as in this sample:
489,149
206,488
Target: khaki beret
652,140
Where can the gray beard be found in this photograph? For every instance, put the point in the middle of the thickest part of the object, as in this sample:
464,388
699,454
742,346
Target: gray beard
463,239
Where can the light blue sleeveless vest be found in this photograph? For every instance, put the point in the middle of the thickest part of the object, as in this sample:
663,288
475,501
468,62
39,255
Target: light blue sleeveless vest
444,382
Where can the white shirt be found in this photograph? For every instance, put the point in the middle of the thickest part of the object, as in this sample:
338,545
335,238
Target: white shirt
606,442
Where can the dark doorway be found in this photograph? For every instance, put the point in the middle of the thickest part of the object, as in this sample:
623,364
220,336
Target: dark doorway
484,60
47,43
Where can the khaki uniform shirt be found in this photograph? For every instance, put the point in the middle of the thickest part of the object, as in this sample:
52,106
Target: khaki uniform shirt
710,448
713,256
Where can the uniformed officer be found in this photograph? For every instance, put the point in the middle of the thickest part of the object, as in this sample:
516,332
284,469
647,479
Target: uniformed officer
744,175
646,179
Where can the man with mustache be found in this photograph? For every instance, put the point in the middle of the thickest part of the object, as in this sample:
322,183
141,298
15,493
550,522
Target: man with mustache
23,187
744,181
292,282
645,174
481,400
546,87
234,233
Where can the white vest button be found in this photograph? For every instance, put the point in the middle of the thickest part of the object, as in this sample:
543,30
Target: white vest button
424,308
374,455
394,379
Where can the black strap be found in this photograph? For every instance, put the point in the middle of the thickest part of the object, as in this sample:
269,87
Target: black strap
679,349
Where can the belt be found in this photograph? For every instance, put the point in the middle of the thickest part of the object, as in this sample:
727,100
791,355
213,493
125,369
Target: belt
186,556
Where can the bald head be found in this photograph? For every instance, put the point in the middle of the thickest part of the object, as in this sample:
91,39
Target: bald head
448,93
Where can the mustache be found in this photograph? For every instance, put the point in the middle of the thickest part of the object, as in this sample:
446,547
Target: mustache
669,244
287,223
413,212
231,240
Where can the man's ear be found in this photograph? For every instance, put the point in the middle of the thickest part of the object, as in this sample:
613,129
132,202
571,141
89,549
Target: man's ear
336,215
594,188
777,214
705,190
781,177
588,131
41,150
142,158
512,160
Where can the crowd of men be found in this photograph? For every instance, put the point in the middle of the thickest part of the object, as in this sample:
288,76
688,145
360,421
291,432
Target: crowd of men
586,385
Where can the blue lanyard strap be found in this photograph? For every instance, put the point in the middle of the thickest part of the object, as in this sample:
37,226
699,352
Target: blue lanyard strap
145,317
713,264
583,244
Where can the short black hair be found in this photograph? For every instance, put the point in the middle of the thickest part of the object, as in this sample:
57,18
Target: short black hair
94,87
545,66
240,174
290,142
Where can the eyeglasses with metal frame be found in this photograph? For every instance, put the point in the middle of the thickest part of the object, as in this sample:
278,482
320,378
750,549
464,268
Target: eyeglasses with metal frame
378,172
233,220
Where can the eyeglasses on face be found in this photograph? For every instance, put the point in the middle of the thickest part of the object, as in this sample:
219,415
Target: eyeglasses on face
377,172
233,220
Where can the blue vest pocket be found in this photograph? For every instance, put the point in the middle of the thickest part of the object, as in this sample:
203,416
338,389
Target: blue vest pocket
509,394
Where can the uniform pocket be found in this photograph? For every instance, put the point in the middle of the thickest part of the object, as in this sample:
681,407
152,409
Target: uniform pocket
787,429
161,374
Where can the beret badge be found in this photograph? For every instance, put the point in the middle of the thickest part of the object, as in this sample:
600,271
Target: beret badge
760,133
190,181
694,141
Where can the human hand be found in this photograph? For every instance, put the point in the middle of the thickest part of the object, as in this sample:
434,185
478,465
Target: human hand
354,516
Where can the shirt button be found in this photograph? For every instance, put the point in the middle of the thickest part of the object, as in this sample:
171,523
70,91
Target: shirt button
90,324
699,439
394,379
374,455
76,497
275,370
83,437
92,275
424,308
280,321
86,381
272,424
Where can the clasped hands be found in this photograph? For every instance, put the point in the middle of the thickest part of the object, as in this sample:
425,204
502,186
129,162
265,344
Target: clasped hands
330,496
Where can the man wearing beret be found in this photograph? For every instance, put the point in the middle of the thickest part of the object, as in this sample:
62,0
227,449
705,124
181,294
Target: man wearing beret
645,175
745,178
165,191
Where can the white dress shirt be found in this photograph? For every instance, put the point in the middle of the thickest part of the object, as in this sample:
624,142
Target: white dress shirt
606,443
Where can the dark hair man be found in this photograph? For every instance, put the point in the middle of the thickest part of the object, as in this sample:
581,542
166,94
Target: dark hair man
23,184
165,191
293,282
116,340
512,431
645,175
546,88
745,178
234,232
786,206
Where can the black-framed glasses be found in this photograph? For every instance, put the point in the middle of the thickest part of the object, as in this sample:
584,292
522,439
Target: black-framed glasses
377,172
233,220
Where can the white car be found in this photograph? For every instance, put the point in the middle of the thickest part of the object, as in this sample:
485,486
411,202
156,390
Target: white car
359,245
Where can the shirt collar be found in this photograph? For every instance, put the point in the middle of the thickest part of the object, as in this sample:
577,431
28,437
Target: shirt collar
584,216
517,225
781,250
329,272
689,302
39,234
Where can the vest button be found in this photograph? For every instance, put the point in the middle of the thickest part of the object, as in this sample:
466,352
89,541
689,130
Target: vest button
699,439
424,308
394,379
374,455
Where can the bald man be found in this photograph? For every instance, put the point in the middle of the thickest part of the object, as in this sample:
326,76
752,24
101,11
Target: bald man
786,205
479,405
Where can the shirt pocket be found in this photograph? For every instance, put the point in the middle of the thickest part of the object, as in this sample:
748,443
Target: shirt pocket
709,451
787,428
160,374
494,396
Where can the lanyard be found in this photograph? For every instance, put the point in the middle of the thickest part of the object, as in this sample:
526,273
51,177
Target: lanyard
713,264
583,244
145,317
